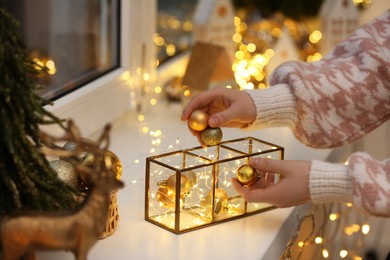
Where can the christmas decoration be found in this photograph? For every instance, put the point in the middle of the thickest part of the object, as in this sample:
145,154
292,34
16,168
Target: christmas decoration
214,23
338,20
211,136
184,184
76,231
198,120
209,66
66,172
203,176
28,182
246,174
165,199
220,201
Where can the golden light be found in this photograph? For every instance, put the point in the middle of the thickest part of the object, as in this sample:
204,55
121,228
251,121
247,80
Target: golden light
158,40
315,36
301,244
334,216
51,67
365,229
251,47
141,118
237,21
187,26
170,49
157,90
153,101
145,129
318,240
343,253
239,55
237,37
325,253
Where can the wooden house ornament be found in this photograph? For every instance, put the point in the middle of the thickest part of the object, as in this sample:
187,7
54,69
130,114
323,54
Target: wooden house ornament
213,22
339,18
209,66
284,50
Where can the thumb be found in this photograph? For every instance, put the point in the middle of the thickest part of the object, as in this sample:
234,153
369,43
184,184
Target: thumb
270,165
222,118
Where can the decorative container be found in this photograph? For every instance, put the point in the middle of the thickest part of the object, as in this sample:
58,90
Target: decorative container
190,189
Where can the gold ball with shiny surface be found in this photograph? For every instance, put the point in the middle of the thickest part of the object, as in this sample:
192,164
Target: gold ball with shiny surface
211,136
112,161
191,176
185,184
220,201
165,199
246,174
198,120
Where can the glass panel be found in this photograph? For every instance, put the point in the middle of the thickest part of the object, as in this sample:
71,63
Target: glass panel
77,40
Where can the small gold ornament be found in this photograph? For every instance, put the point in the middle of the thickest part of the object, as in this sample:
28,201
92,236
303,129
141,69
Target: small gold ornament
111,160
220,201
211,136
246,174
66,172
198,120
191,176
165,199
185,184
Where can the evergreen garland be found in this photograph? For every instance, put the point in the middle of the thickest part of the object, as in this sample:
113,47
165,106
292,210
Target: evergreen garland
27,182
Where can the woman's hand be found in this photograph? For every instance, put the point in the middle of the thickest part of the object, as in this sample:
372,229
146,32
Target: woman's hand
226,108
291,190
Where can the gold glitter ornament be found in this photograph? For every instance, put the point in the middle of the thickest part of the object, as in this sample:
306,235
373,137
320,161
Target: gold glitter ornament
198,120
211,136
66,172
246,174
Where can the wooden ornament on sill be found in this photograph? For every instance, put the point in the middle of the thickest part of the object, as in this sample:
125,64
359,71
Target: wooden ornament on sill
209,66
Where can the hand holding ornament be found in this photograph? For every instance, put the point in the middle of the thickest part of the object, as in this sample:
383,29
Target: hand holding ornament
225,107
287,192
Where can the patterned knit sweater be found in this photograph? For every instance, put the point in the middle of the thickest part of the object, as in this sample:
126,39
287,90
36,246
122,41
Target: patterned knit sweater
333,102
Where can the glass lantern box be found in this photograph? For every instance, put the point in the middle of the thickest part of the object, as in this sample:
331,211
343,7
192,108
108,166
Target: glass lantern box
191,189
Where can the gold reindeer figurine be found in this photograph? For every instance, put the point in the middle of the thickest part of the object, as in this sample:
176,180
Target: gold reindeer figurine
76,231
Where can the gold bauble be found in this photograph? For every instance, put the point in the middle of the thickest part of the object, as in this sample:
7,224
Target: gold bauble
66,172
191,176
198,120
211,136
246,174
165,199
220,201
111,161
185,184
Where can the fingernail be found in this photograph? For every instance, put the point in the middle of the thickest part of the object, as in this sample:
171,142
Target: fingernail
214,122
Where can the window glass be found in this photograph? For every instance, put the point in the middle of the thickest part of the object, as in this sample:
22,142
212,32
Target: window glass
174,27
77,40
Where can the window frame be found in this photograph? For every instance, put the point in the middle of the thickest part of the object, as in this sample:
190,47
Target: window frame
108,97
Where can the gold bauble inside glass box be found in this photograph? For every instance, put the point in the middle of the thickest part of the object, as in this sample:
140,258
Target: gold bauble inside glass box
203,194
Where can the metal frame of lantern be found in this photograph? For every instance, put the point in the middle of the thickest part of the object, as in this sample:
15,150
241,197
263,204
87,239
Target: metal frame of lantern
178,170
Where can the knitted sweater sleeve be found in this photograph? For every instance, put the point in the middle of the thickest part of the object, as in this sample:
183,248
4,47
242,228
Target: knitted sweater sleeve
333,102
338,99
